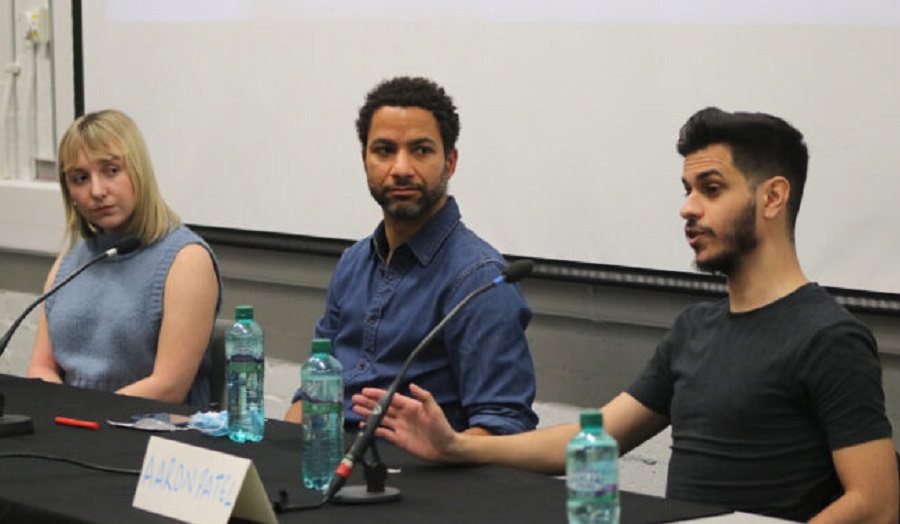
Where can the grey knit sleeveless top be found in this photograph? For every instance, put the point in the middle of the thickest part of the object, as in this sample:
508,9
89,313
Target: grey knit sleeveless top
104,324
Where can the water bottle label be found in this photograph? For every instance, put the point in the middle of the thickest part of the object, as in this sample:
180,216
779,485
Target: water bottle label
590,483
321,408
322,389
242,356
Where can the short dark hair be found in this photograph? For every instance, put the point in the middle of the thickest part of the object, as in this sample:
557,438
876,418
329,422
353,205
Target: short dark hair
407,91
762,146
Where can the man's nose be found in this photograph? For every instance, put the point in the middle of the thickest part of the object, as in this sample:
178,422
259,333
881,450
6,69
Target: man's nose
403,166
690,208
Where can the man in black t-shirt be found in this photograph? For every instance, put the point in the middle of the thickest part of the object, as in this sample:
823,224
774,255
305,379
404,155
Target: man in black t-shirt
773,393
759,399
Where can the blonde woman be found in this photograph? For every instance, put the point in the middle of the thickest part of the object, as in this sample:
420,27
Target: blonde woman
136,324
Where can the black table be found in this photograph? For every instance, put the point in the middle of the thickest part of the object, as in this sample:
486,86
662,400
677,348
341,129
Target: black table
38,490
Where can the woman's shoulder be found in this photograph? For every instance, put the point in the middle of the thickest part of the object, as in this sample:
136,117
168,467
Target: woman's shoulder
183,234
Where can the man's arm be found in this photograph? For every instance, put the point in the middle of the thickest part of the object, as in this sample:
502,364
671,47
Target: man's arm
489,356
418,425
868,473
294,413
845,385
326,327
630,422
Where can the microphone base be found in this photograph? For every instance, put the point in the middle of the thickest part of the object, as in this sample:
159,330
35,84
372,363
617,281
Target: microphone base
13,425
361,495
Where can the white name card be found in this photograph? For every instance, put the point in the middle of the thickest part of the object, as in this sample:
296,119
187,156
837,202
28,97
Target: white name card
194,484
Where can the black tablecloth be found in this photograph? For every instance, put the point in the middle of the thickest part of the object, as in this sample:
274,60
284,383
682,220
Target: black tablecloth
40,490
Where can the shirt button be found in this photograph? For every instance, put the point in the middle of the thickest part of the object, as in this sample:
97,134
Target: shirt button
361,366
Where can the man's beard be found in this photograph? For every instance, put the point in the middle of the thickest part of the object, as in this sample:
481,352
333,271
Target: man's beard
410,208
740,241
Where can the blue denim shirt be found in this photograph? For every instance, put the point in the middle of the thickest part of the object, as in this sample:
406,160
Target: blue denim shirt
479,368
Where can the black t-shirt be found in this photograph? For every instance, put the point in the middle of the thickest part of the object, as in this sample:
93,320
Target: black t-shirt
758,401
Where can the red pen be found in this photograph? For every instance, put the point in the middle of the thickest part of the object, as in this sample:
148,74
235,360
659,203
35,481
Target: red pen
77,423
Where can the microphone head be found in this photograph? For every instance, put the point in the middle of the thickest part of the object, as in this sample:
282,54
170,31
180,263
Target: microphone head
127,245
517,270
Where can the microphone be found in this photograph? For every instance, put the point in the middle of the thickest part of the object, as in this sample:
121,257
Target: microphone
514,272
124,247
21,425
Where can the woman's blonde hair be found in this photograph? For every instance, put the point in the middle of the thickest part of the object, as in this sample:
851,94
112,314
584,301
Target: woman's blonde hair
112,134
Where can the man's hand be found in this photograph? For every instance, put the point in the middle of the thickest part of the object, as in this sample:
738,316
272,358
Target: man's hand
417,425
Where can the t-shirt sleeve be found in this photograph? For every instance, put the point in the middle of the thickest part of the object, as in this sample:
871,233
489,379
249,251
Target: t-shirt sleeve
843,378
654,387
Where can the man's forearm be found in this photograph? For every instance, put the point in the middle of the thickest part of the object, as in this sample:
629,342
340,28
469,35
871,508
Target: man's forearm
541,451
853,508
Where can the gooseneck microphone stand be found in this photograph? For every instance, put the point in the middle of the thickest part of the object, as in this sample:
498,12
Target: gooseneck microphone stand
19,424
355,494
513,273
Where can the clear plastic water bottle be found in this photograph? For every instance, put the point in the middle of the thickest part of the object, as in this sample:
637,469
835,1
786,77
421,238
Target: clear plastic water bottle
322,395
244,377
592,473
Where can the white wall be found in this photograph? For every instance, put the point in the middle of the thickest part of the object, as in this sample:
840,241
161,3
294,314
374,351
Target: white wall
26,88
31,216
570,112
33,98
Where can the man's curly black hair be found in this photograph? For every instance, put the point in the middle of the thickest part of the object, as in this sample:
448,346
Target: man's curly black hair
407,91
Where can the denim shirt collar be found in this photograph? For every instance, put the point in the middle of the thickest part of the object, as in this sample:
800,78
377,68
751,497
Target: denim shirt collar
425,244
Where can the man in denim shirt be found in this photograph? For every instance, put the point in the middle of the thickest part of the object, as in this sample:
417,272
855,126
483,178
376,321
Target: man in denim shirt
390,289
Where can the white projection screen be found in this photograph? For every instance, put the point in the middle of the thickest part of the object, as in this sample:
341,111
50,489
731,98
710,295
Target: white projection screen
570,110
